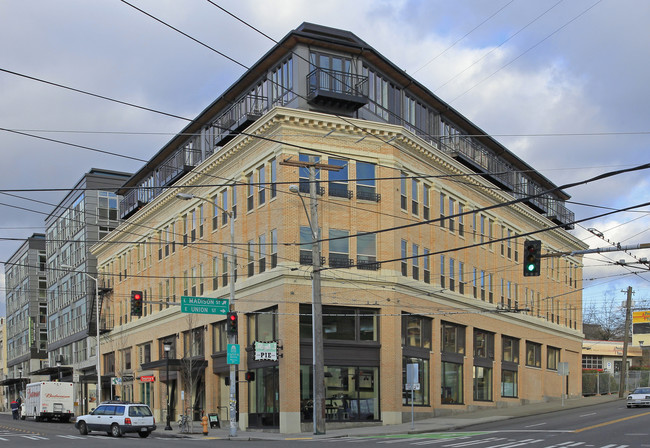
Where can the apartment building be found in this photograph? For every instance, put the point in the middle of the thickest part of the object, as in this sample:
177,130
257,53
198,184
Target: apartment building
421,228
25,343
84,216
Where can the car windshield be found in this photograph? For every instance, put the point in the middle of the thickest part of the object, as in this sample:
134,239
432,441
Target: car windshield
139,411
642,390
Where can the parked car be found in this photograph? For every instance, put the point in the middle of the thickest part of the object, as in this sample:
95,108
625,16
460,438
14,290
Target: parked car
118,418
639,397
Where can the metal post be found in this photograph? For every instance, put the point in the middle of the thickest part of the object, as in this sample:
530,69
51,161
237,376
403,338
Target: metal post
97,352
232,338
623,380
318,364
168,346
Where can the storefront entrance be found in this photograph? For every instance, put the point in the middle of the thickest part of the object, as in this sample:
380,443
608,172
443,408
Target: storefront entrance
263,398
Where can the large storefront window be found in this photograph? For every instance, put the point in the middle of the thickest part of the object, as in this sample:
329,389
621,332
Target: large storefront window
451,383
263,402
340,323
482,383
421,396
351,393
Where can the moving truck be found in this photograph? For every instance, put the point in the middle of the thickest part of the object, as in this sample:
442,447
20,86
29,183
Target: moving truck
49,400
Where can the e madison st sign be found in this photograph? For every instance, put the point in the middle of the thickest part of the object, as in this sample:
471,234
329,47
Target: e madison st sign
204,305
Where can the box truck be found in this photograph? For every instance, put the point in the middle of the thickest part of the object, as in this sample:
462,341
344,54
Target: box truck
49,400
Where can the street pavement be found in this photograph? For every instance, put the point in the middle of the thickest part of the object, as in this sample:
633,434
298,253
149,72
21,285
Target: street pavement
435,424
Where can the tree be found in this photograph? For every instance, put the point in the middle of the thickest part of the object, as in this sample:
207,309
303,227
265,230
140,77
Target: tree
192,364
605,321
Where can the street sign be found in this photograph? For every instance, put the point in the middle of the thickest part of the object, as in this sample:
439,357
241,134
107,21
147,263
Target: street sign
147,378
116,381
232,356
204,305
414,386
563,369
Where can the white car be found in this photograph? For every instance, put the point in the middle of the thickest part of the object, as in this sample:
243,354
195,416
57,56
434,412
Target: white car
118,418
639,397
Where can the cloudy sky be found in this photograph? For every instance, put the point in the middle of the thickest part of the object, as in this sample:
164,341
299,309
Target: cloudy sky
562,83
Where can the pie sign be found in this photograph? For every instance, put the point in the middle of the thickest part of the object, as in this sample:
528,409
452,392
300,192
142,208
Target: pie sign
148,379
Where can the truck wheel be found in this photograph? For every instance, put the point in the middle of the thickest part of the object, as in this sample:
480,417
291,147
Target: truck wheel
144,435
22,417
115,430
83,429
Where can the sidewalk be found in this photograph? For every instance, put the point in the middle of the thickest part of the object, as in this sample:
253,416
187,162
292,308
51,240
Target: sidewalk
447,423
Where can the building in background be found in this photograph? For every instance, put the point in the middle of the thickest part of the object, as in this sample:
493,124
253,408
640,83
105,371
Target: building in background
85,216
4,397
26,324
421,217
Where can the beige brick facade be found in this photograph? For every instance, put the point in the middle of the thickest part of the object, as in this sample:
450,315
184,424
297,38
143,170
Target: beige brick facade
544,310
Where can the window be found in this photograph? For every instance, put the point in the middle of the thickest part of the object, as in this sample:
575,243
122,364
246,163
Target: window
415,205
592,362
416,331
482,382
250,188
416,262
426,192
452,281
402,190
509,380
282,83
366,189
461,219
552,358
261,185
426,267
215,212
107,206
483,344
194,343
452,221
215,273
274,248
303,173
342,323
420,397
339,254
305,246
263,326
442,210
533,354
250,257
367,251
224,207
510,348
262,253
338,179
193,230
274,177
442,271
403,261
452,338
200,221
219,337
451,382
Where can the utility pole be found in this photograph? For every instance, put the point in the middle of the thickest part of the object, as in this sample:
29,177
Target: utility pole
318,358
628,306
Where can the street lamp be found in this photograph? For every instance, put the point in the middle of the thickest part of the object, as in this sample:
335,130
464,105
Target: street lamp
58,367
318,362
168,347
20,375
97,351
232,338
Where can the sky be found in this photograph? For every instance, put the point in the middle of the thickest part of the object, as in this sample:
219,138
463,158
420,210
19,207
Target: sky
562,83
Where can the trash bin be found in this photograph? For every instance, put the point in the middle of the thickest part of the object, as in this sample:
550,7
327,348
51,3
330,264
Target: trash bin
214,420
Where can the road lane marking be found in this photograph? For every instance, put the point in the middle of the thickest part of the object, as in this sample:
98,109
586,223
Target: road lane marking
537,424
611,422
587,415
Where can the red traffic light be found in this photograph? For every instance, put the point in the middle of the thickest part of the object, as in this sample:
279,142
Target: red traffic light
231,323
137,296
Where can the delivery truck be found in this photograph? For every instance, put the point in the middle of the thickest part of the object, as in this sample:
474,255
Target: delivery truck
49,400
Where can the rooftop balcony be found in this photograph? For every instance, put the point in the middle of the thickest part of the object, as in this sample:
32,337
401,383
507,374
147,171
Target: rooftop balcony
237,118
337,91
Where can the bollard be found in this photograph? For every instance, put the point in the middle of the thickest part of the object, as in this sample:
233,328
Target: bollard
204,423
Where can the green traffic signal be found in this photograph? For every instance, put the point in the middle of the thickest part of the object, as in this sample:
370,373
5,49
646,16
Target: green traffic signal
532,255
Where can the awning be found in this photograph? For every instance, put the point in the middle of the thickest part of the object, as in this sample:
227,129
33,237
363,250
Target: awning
64,370
11,381
161,364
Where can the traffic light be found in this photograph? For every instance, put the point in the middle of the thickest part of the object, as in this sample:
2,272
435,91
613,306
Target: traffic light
227,380
136,303
231,324
250,376
532,258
